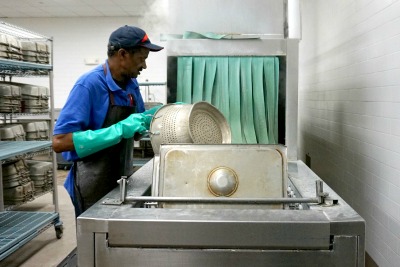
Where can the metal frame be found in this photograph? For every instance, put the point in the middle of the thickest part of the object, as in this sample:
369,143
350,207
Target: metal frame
286,48
127,234
147,85
319,234
31,227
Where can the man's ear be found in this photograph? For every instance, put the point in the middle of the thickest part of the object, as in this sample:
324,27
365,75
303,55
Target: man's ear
122,52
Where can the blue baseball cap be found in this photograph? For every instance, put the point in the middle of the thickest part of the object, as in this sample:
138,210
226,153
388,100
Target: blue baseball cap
129,37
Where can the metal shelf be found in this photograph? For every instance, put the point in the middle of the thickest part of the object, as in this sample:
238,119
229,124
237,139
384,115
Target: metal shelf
9,67
139,162
16,115
19,32
19,227
11,149
7,118
22,68
23,65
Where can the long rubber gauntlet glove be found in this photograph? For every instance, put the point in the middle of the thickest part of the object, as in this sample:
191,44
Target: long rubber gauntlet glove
152,111
149,113
92,141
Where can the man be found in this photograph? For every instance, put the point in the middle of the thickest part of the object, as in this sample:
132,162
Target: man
103,113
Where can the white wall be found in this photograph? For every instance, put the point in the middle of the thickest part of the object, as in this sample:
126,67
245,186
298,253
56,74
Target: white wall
227,16
78,38
349,110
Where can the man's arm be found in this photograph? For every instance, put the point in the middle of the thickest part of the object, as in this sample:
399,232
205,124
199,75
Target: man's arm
88,142
63,142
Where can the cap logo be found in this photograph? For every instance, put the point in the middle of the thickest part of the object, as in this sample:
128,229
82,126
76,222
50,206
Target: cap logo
145,38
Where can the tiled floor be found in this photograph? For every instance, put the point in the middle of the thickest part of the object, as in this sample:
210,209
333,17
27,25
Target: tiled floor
46,250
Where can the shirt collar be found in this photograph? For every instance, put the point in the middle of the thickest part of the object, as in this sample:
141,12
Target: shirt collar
110,81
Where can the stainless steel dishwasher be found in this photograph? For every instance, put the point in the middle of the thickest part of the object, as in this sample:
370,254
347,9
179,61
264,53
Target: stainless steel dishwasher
221,205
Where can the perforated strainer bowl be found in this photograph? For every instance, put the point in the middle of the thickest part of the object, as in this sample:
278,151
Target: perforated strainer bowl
198,123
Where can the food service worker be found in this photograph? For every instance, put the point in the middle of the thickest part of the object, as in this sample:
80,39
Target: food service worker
102,114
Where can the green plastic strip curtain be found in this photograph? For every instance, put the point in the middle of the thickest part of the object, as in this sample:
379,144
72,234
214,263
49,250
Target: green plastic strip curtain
244,89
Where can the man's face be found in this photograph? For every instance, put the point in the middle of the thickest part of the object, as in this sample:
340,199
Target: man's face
134,62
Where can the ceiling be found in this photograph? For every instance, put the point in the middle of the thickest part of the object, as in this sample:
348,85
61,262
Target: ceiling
76,8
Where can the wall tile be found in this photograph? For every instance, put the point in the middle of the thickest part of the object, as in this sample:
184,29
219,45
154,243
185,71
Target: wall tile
352,75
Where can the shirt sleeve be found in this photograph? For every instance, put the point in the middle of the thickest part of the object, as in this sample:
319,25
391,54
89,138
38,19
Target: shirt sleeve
75,115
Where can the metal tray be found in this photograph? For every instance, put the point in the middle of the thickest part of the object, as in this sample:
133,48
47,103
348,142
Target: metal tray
9,90
13,132
37,130
224,170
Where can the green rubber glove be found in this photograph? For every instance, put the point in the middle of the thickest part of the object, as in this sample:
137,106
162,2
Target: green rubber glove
152,111
92,141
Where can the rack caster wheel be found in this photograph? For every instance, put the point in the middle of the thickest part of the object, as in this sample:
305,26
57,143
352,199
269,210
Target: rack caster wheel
59,231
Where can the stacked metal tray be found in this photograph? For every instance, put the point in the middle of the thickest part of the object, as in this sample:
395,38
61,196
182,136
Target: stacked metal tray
17,185
10,98
35,99
10,47
41,174
37,52
36,130
12,132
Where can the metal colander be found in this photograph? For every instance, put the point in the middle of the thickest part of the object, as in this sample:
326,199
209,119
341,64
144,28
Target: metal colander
198,123
172,120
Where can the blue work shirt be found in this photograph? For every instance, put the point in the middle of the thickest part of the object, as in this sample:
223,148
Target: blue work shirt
87,106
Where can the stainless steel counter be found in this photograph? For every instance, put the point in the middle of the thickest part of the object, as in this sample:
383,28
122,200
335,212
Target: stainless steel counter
128,235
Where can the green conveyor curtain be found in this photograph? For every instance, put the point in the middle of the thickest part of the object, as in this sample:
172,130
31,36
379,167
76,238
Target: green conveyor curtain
244,89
